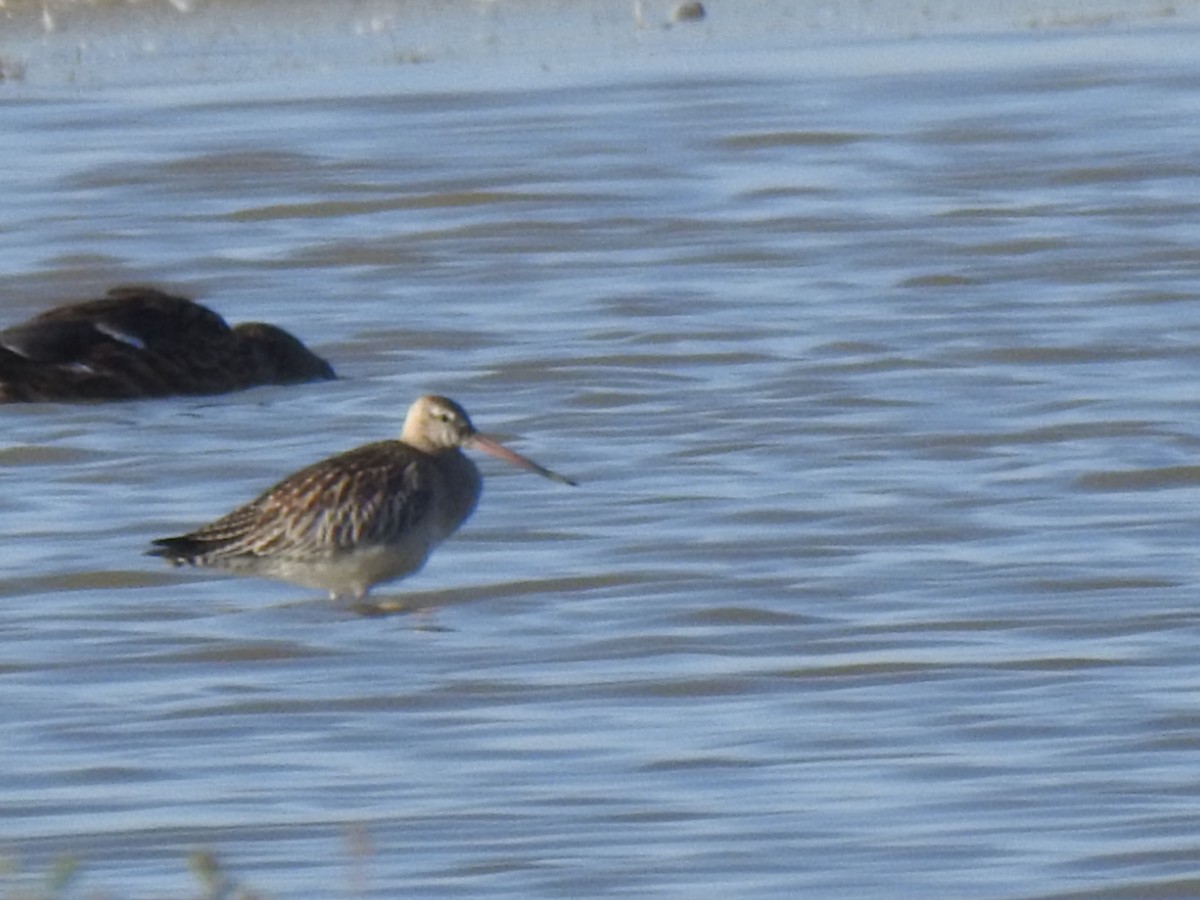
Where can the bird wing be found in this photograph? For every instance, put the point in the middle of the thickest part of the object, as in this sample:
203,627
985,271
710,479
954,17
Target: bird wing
133,342
372,495
142,315
52,341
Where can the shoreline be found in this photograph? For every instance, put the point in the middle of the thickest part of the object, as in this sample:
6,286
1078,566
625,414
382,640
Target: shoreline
480,44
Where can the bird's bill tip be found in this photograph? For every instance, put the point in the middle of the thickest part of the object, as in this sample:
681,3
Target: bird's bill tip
494,448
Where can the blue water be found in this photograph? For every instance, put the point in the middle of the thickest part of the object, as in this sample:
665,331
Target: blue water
877,365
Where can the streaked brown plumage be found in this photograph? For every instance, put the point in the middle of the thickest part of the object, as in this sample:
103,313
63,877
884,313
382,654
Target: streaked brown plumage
363,517
142,342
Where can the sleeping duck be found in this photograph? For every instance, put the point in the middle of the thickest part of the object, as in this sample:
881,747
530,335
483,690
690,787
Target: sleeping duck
142,342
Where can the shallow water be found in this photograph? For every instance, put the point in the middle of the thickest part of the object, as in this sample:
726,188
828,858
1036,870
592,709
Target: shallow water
877,366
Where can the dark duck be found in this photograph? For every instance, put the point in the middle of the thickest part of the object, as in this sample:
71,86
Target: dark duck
141,342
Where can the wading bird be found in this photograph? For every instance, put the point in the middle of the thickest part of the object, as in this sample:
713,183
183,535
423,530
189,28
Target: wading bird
360,518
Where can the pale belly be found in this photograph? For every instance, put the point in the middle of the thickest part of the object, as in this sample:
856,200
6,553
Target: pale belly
350,574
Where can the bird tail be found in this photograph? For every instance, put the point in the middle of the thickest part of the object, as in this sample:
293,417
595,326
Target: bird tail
178,550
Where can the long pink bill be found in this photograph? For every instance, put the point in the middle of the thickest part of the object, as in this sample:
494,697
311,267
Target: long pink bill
498,450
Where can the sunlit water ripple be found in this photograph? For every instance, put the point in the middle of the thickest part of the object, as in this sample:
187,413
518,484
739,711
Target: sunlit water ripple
881,390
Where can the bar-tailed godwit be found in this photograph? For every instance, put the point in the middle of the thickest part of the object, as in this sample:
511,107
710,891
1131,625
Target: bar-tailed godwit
142,342
360,518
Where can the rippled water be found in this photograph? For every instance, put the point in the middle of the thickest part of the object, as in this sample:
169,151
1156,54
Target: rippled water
879,373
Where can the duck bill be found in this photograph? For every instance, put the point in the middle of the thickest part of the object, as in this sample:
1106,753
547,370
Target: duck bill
494,448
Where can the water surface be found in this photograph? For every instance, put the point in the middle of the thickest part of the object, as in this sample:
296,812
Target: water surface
878,367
